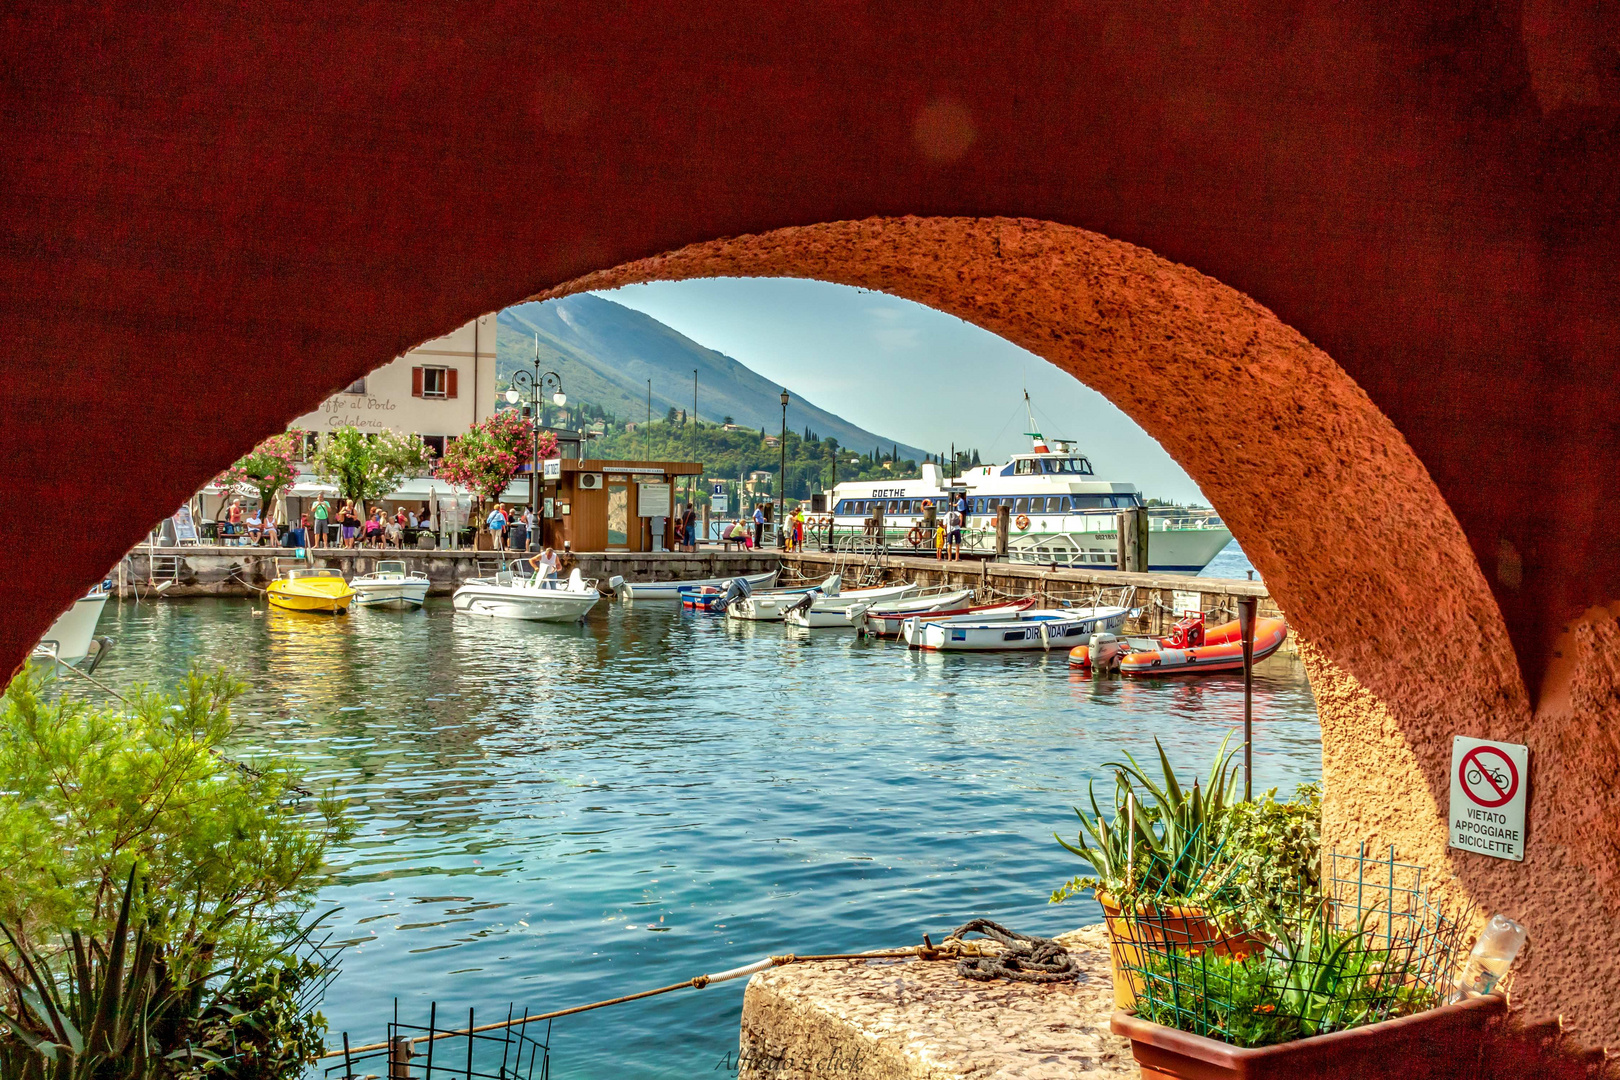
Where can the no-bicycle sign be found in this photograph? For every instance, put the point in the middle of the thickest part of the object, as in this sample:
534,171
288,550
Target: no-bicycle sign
1489,782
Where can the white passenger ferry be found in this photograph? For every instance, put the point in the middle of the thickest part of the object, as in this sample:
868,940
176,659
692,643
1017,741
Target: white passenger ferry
1061,513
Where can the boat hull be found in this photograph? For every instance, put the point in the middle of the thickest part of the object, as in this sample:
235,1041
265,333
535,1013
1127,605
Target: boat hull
70,635
773,607
892,624
407,593
1222,651
1062,631
671,590
323,600
528,605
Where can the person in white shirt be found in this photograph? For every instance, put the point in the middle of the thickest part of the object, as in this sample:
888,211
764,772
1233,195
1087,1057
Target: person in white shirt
544,564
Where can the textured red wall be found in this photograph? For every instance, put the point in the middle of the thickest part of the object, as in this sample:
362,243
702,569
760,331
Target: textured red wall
215,214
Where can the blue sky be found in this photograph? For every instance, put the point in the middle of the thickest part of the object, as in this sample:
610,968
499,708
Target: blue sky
906,371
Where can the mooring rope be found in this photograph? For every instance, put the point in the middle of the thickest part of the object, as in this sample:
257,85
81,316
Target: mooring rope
1026,958
1023,959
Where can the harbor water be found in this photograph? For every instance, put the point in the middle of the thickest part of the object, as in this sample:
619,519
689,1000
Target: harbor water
551,815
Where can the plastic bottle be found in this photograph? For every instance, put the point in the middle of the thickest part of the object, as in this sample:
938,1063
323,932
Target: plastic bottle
1499,943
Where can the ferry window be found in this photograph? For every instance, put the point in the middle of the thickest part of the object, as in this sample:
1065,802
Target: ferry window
1048,466
1023,506
1024,467
978,506
839,509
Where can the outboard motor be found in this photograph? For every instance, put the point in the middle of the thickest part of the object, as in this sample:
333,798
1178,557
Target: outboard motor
831,585
803,603
1105,650
617,587
736,589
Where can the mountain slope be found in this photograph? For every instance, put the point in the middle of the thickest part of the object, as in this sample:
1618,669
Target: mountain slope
606,352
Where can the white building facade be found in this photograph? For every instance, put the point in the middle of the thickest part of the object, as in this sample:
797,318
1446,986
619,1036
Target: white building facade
436,390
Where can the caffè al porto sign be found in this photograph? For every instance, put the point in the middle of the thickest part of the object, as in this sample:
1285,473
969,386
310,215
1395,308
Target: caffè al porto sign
1490,782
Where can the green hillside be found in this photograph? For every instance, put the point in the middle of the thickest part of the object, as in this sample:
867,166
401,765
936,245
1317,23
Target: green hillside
606,354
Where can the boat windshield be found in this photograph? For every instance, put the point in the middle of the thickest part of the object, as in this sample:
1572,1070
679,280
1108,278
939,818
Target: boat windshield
315,573
1052,466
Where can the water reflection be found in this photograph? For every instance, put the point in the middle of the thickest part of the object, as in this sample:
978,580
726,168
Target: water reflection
572,812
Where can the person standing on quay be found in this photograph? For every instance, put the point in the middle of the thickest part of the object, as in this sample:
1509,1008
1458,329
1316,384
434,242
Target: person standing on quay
497,526
953,534
759,526
322,513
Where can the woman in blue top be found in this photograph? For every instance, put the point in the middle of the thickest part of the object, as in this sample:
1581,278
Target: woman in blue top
497,526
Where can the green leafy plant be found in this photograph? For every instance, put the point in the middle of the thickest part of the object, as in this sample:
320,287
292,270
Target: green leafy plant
368,465
1178,834
1275,851
1312,979
101,978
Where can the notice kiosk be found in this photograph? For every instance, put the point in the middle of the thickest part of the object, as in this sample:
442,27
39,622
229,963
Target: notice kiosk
613,505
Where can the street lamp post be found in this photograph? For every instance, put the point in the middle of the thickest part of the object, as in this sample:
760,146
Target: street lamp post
781,485
534,384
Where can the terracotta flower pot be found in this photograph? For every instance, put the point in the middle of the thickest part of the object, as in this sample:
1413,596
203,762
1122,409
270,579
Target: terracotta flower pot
1449,1042
1134,938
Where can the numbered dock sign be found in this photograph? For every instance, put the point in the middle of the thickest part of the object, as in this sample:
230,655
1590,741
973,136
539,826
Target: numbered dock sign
1489,784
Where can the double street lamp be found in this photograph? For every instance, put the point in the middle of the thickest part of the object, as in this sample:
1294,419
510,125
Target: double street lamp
534,384
781,487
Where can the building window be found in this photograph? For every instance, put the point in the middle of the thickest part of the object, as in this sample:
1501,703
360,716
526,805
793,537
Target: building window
434,444
356,387
433,382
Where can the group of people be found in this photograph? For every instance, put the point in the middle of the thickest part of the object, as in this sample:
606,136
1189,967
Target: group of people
510,529
325,527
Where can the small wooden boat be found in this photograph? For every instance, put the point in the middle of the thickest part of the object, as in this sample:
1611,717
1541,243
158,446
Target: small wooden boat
671,590
832,612
317,590
773,606
887,620
1194,651
1047,628
534,598
391,583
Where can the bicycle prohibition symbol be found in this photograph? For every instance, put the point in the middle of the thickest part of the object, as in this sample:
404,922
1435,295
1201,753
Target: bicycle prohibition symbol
1488,776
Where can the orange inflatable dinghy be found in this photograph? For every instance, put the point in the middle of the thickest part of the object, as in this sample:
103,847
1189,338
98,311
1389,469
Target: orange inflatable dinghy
1193,650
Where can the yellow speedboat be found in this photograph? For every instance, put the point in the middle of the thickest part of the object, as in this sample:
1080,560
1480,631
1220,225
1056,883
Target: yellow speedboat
312,590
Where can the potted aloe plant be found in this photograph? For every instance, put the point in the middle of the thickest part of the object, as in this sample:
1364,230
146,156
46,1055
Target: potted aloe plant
1157,858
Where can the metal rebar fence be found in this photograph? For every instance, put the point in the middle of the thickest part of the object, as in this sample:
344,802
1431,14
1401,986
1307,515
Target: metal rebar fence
513,1049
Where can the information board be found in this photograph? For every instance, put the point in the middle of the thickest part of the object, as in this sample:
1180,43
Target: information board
185,530
718,504
652,500
551,469
1489,785
1184,602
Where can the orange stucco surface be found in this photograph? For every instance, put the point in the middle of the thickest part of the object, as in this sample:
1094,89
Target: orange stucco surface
212,215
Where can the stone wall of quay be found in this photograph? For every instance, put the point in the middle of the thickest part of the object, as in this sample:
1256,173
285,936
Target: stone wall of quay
1156,594
246,571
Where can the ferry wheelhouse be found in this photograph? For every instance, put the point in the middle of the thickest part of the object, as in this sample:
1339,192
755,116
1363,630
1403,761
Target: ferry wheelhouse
1061,512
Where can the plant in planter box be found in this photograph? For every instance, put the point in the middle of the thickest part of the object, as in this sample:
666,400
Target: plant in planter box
1351,986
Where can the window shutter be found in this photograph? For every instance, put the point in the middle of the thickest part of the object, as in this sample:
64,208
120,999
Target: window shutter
416,382
450,383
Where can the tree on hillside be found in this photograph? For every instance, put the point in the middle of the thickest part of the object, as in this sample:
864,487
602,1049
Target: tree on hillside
728,420
265,470
670,416
367,466
486,458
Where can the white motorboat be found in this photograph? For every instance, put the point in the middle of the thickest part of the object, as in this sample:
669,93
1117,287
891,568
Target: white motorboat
887,620
533,598
72,637
817,612
1047,628
773,606
671,590
391,583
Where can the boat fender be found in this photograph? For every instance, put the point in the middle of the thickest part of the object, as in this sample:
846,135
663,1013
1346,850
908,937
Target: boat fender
1046,636
1080,657
1022,522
